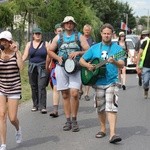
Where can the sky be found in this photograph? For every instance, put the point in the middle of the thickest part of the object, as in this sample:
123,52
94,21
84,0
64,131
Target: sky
140,7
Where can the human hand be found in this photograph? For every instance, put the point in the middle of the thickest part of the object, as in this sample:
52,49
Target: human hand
60,60
14,46
73,55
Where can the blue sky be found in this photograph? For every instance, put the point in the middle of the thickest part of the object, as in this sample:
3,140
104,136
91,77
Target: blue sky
140,7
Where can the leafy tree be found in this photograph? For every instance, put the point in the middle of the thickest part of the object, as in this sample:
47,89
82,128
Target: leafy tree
112,11
6,16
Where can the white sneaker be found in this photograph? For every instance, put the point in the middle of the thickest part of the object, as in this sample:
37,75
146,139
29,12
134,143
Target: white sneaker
19,136
3,148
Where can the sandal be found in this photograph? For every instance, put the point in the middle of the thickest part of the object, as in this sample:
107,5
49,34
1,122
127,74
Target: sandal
115,139
54,114
100,135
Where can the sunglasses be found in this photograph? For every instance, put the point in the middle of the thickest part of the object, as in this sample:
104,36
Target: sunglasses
37,33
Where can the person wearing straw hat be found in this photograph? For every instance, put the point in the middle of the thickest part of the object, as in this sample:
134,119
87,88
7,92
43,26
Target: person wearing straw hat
10,86
71,45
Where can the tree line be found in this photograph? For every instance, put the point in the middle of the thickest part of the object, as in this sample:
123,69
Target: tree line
47,13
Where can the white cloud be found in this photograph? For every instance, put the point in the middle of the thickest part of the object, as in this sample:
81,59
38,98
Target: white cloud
140,7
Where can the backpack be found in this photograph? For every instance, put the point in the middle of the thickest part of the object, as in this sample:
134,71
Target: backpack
62,39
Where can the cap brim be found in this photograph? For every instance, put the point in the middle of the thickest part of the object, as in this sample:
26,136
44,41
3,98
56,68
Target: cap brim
62,24
6,39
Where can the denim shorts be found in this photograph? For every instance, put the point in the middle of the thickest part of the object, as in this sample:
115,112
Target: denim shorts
146,77
11,96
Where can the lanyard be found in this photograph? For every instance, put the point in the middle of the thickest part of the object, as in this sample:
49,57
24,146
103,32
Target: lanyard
108,48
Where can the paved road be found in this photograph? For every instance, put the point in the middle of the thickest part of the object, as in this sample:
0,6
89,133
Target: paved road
40,132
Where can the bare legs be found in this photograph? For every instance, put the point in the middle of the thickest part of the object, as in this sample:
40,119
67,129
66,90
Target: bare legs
11,108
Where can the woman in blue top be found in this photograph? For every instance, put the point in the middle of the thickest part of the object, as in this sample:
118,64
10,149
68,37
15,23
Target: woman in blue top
36,52
106,91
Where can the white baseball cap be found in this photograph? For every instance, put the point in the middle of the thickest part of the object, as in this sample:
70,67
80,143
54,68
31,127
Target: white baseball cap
121,33
6,35
67,19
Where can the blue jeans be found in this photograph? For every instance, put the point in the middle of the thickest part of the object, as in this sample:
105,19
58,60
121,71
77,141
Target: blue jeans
146,77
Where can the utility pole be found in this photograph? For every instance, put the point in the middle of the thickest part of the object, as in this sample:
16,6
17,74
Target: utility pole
126,16
126,23
148,20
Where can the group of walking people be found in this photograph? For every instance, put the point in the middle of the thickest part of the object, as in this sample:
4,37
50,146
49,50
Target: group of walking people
50,60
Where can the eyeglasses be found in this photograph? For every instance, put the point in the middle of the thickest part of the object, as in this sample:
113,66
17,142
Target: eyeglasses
122,36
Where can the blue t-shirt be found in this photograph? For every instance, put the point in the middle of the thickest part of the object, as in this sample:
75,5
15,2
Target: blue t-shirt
103,52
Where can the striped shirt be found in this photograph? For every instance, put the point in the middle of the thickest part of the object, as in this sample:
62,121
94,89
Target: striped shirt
10,80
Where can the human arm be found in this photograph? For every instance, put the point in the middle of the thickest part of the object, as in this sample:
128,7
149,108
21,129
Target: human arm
52,48
26,51
88,65
15,47
138,69
118,63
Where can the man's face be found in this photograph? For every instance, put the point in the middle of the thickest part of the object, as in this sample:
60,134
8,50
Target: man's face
69,26
106,35
58,30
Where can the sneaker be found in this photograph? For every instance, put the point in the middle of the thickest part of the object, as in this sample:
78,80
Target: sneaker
75,127
67,126
123,87
43,111
34,109
3,148
87,98
145,94
19,136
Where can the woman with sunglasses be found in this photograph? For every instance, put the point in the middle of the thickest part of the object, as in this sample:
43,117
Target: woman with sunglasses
36,52
122,72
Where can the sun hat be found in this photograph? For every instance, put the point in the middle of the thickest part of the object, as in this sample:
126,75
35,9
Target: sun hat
145,32
67,19
121,33
6,35
37,30
58,25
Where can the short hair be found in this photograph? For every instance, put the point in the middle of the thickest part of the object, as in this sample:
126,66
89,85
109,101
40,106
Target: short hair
107,25
88,26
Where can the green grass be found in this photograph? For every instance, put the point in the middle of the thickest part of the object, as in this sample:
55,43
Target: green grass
26,90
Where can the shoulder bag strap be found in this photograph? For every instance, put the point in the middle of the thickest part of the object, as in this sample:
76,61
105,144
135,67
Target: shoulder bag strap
36,49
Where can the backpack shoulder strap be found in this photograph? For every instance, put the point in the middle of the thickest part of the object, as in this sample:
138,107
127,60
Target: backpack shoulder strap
77,38
61,38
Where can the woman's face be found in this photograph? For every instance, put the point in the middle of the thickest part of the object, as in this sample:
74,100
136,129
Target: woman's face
5,43
37,36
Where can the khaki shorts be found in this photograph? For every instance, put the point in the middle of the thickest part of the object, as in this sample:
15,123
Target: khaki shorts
67,81
106,98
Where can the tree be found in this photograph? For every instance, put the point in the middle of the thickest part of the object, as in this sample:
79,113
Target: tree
112,11
6,16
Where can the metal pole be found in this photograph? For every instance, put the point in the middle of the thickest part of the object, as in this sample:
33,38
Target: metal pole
148,20
126,23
